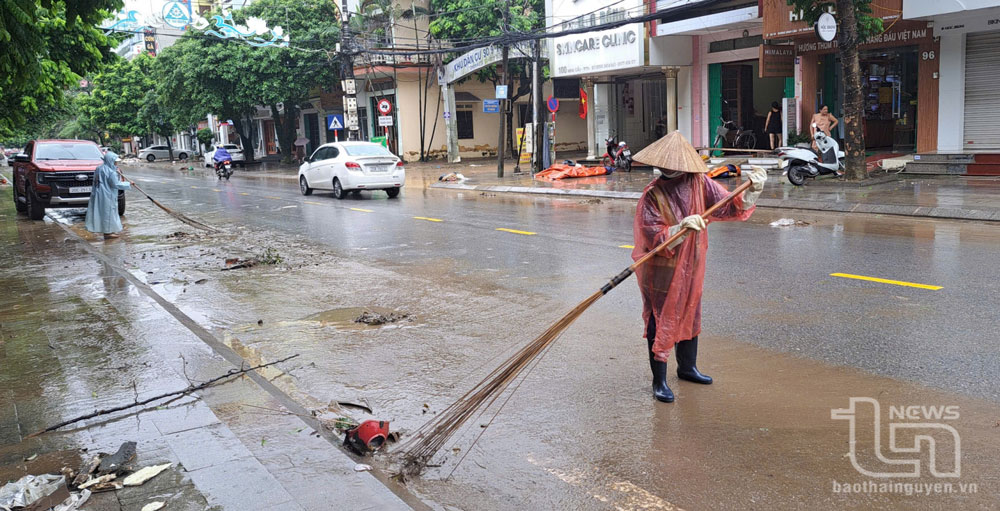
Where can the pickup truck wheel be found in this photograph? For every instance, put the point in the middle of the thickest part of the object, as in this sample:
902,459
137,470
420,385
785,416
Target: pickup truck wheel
121,204
36,210
18,205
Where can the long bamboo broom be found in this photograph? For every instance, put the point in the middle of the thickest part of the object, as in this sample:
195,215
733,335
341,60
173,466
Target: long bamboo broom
426,441
183,218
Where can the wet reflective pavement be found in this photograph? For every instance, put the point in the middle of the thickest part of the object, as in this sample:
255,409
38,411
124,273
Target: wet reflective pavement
786,342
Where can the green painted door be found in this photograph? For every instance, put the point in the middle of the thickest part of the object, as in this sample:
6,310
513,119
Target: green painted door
714,101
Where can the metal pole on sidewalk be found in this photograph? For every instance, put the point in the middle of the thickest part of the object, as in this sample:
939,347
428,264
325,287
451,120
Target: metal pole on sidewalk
503,116
536,107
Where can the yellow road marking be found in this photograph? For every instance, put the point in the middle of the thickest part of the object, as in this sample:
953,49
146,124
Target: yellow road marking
244,193
428,219
626,246
270,197
363,210
886,281
195,187
216,190
312,202
515,231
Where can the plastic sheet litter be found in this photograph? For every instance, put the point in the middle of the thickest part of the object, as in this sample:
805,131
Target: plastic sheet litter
562,171
154,506
74,501
28,490
788,222
145,474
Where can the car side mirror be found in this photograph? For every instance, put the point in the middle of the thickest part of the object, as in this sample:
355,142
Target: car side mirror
22,157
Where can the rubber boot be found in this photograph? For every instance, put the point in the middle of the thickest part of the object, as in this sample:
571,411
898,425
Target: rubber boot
661,391
687,356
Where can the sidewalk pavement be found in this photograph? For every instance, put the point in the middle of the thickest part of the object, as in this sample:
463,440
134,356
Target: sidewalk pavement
951,197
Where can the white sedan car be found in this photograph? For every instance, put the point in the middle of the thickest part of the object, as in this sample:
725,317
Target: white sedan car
161,152
234,151
352,166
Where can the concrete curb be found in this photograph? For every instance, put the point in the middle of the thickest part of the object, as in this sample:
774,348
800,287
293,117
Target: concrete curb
838,207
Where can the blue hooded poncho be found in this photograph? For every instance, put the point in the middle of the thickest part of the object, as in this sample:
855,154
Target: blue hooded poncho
102,210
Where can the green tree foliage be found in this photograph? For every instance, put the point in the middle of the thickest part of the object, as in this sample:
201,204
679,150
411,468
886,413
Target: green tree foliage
117,93
855,24
45,47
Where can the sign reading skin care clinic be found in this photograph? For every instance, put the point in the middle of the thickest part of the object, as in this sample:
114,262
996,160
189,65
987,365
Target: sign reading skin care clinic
592,52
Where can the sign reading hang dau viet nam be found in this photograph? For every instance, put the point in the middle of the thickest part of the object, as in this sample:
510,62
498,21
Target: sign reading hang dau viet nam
902,33
604,50
776,60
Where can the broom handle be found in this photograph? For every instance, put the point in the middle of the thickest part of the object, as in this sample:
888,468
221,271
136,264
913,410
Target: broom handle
618,279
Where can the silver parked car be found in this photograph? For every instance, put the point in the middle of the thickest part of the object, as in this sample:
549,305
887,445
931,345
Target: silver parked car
234,150
161,152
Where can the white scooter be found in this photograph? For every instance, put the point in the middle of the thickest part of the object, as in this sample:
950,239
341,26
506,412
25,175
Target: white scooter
802,162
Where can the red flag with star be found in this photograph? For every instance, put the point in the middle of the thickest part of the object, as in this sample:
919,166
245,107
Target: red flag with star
583,104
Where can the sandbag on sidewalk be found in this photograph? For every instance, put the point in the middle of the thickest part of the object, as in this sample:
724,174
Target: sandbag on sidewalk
563,171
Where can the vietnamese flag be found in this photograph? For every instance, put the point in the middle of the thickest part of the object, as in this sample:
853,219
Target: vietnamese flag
583,104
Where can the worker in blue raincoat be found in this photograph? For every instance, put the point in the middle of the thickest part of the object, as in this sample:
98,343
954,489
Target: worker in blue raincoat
102,210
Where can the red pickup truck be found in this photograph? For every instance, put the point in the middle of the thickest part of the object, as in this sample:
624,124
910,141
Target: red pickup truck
56,174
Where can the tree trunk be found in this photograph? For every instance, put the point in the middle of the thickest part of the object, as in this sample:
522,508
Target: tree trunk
285,125
243,129
170,148
854,132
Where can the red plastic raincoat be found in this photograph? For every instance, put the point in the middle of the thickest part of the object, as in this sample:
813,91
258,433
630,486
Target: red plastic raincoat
671,282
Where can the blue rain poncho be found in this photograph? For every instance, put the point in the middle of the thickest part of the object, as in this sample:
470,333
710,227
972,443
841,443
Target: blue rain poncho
102,210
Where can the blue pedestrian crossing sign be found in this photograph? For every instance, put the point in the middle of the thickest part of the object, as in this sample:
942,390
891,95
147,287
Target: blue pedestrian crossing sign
335,122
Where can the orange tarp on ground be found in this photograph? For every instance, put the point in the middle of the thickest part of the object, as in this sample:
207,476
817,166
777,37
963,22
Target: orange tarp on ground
562,171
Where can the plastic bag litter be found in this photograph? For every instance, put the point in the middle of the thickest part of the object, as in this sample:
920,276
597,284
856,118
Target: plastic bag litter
154,506
452,176
28,489
783,222
74,501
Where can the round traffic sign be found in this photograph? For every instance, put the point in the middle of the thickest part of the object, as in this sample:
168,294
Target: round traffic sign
384,106
553,104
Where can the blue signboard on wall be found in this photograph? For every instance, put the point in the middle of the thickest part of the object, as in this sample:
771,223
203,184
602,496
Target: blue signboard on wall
491,106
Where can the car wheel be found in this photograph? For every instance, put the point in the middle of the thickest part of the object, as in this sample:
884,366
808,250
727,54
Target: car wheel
121,204
393,192
338,190
18,205
150,157
304,186
182,156
36,210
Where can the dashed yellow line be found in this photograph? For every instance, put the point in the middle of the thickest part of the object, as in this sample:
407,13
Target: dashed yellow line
244,193
886,281
515,231
312,202
270,197
626,246
428,219
363,210
195,187
216,190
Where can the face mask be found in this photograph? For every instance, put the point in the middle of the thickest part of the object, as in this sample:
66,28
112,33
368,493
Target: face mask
668,175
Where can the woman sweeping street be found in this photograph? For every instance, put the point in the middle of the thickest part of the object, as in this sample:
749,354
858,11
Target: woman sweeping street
102,210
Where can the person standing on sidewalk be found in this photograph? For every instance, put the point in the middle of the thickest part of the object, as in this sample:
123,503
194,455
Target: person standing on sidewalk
102,209
823,120
772,126
671,282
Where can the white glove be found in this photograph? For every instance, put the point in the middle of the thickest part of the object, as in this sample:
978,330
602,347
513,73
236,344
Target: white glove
693,222
757,176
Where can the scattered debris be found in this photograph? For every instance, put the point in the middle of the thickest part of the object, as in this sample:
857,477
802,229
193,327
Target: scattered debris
201,281
355,405
270,256
236,263
377,318
260,322
367,437
154,506
145,474
592,201
41,492
451,176
74,501
31,458
484,194
118,461
86,469
361,467
178,234
106,478
787,222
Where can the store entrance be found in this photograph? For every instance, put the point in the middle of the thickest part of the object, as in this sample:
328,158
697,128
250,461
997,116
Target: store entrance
745,99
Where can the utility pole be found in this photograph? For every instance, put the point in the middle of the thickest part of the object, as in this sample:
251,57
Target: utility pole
503,81
347,74
536,105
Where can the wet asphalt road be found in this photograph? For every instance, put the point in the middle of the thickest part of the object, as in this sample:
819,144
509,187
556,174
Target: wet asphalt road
764,285
785,341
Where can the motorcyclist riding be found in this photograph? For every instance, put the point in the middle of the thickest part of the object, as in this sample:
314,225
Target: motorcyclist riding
221,159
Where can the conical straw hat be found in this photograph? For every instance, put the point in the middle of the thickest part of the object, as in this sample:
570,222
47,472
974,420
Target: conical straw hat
672,153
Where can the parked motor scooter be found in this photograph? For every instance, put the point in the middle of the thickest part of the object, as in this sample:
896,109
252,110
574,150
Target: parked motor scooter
617,154
802,162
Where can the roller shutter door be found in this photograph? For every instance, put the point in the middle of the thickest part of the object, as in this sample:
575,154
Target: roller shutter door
982,91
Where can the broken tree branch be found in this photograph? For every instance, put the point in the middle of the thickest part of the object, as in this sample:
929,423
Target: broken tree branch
179,393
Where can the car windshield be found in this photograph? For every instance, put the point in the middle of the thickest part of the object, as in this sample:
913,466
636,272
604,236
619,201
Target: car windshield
367,150
67,151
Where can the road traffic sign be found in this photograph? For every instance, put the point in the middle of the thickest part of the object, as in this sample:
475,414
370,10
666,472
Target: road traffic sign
553,104
335,122
491,106
384,106
385,120
501,92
